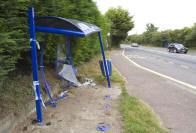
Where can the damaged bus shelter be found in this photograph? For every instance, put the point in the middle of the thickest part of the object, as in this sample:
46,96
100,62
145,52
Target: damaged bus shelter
66,27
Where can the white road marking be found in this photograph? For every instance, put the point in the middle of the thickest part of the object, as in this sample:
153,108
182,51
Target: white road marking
159,74
136,57
183,66
182,87
170,62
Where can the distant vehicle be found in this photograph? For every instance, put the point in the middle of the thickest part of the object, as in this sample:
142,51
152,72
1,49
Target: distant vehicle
134,45
177,48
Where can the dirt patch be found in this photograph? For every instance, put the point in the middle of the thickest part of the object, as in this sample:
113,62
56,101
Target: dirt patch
81,112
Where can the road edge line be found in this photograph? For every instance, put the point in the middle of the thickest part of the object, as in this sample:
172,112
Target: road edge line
157,73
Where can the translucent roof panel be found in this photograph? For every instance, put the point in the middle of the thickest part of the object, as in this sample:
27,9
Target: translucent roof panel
65,26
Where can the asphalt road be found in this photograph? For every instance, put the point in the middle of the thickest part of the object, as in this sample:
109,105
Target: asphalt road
179,66
174,103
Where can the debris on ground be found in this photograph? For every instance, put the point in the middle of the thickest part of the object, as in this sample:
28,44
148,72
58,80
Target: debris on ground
108,97
103,127
88,83
82,112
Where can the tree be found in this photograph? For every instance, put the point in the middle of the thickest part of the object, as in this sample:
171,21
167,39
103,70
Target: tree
151,31
156,39
12,34
151,28
191,37
152,36
120,23
135,39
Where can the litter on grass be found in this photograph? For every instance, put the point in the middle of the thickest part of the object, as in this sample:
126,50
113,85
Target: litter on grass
88,82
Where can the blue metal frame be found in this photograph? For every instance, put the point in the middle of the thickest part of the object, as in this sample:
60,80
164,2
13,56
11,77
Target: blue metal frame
68,50
59,31
36,85
32,30
104,59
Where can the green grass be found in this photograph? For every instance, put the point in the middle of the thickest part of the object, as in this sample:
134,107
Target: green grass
138,117
17,92
14,93
92,70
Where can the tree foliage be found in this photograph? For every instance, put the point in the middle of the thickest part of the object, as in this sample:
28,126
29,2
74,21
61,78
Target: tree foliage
152,36
191,37
120,23
14,40
13,36
150,33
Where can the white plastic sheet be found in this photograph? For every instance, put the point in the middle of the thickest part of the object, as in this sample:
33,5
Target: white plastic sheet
68,74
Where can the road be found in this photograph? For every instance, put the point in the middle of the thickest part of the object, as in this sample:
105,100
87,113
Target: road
179,66
173,102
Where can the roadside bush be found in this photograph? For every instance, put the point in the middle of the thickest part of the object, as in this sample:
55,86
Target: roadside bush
14,40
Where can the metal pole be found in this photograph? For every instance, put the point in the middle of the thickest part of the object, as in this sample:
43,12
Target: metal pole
104,60
68,50
36,85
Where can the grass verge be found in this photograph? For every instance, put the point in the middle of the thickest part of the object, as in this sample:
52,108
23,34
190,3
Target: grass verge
92,70
16,92
137,116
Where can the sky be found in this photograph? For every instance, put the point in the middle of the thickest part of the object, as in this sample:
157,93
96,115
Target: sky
165,14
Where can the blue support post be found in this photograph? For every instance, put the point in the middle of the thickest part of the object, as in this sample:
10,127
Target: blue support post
68,50
36,85
104,59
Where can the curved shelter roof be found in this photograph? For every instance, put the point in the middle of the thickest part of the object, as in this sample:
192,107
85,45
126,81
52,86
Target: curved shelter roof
71,27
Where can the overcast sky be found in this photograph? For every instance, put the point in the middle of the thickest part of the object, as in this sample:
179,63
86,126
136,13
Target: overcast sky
165,14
